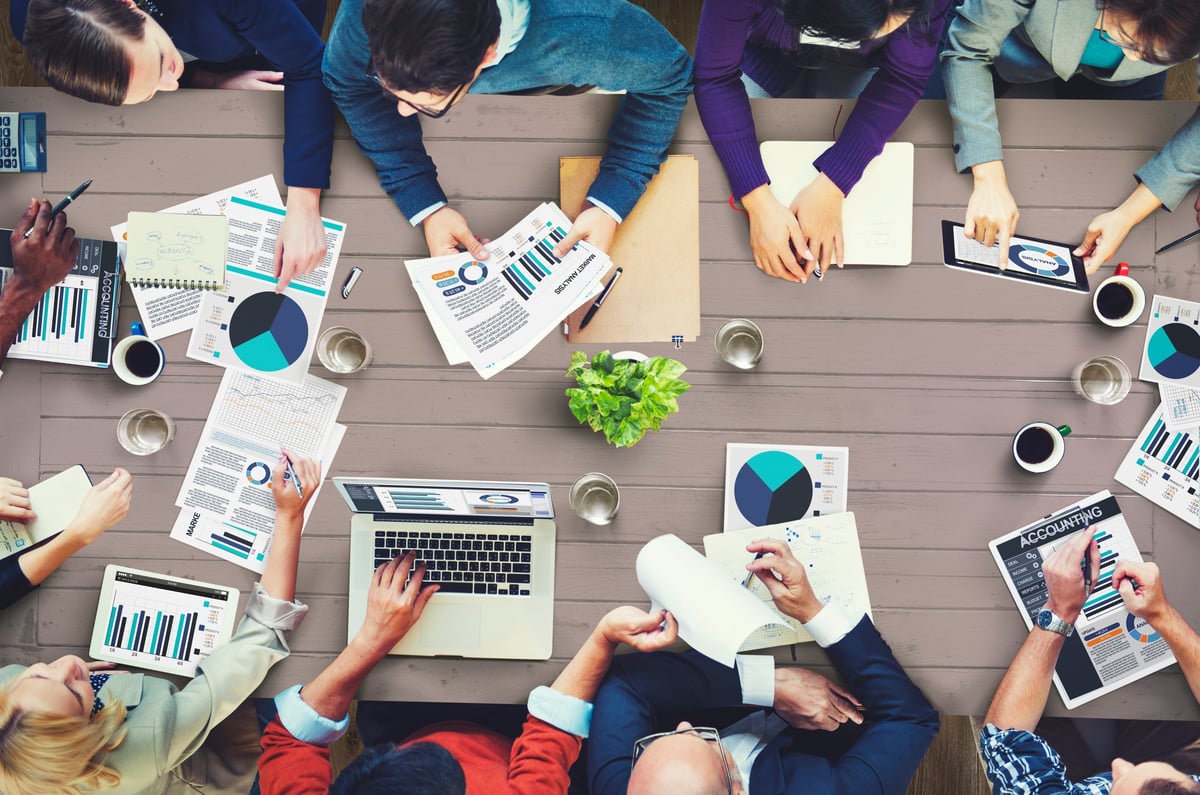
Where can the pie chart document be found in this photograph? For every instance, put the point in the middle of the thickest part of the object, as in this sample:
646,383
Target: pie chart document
1171,354
249,326
770,484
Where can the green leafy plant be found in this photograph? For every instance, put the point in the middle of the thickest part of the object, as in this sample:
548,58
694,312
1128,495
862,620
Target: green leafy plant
624,398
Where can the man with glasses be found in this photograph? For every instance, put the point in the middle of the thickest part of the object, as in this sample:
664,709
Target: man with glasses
865,739
1029,755
389,62
446,758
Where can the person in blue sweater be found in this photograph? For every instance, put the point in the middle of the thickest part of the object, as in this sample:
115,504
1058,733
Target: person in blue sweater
104,506
118,52
389,62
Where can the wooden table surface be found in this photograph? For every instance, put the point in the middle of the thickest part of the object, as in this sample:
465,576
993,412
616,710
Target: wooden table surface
924,372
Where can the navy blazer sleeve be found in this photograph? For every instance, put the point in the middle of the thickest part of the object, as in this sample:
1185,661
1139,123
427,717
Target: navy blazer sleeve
876,758
13,582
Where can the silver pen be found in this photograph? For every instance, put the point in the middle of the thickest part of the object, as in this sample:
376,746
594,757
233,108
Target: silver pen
351,280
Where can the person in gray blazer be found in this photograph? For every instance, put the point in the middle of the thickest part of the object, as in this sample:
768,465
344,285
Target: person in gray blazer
1112,43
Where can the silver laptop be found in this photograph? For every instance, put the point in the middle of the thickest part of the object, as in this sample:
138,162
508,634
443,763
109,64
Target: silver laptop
489,545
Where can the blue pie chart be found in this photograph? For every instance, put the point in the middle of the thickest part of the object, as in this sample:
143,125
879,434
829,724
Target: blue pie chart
1174,351
773,487
268,332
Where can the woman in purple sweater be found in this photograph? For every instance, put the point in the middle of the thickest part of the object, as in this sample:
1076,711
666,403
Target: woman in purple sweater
890,46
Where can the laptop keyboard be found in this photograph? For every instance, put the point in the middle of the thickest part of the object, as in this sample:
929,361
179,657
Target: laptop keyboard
498,564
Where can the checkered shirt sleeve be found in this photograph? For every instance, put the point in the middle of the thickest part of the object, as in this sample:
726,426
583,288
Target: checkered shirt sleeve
1021,763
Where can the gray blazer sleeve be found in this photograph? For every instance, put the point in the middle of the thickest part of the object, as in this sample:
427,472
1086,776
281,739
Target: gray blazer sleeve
976,32
1175,169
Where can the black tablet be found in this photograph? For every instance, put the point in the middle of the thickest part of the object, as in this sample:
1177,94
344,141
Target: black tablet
1030,260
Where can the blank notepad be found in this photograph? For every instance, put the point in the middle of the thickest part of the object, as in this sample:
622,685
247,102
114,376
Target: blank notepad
176,250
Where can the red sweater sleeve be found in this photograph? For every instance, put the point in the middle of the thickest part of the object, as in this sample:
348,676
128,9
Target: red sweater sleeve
291,767
540,759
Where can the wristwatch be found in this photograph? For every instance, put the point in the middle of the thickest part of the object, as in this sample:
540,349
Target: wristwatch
1052,623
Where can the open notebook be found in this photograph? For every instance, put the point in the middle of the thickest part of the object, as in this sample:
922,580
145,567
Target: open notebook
55,500
176,250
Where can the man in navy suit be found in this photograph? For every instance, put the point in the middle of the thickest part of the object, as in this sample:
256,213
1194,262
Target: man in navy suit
819,738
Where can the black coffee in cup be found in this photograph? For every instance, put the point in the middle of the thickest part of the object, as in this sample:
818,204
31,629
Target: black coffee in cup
1035,445
1114,300
143,358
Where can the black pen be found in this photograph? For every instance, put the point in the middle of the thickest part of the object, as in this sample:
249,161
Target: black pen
62,205
1179,242
1086,566
600,300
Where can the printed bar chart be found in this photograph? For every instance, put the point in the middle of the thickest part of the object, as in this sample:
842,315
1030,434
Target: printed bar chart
1164,466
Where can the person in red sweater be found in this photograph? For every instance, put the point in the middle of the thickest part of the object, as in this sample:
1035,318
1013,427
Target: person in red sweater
445,758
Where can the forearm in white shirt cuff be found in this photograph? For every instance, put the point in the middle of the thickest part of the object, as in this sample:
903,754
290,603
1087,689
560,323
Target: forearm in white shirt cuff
572,715
756,672
610,212
428,211
830,625
305,723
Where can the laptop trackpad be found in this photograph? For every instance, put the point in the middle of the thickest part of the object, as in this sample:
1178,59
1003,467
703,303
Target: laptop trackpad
448,628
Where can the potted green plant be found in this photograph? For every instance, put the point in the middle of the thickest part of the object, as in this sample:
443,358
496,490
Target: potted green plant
624,397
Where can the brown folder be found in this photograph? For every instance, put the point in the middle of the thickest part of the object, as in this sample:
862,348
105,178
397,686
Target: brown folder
658,247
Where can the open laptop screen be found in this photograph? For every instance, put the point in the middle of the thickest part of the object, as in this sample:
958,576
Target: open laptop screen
433,498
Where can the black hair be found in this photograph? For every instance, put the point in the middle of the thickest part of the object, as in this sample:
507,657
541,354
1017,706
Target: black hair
1161,786
78,46
851,20
1167,30
417,769
429,45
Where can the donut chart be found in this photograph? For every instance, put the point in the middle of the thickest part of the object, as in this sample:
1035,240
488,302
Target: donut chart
1039,259
498,499
1140,631
268,332
258,473
473,273
773,487
1174,351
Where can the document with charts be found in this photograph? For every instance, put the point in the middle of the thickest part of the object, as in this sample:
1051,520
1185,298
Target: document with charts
250,326
228,509
493,313
1110,646
1180,407
169,310
828,548
1163,465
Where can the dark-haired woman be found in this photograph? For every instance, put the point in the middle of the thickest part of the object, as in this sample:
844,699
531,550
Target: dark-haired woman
1121,46
119,52
810,48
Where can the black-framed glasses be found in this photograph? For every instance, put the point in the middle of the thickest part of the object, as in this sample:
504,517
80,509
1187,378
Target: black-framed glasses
706,733
1108,38
433,113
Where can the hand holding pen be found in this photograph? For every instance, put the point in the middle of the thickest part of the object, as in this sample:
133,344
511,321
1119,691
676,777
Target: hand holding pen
1141,589
783,575
288,481
62,205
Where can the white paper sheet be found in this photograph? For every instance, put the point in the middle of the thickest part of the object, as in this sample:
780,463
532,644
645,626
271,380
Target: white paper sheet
493,313
1163,465
1180,406
716,614
1171,353
165,310
250,326
829,549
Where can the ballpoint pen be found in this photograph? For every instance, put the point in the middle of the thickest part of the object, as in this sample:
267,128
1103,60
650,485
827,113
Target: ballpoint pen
587,318
62,205
291,473
1086,566
1179,242
750,575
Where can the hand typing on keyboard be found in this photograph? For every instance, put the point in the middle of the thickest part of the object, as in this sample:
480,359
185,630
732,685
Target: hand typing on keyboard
395,601
493,563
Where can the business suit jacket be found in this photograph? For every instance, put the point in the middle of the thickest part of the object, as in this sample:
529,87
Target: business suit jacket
1058,31
876,758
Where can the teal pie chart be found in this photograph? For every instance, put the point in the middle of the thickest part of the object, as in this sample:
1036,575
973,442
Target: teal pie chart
1174,351
773,487
268,332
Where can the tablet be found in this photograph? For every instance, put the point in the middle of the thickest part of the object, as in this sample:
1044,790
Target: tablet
1030,260
159,622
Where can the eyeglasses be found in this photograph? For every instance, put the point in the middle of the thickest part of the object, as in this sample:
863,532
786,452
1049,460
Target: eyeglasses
1131,47
1108,38
706,733
433,113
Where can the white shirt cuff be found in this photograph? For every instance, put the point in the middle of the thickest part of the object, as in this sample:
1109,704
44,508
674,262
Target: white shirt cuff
830,625
305,723
572,715
608,210
428,211
757,675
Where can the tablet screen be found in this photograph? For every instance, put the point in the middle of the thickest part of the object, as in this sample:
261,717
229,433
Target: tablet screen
159,622
1039,261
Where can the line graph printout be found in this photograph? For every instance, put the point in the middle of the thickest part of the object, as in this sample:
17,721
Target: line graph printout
1180,407
226,502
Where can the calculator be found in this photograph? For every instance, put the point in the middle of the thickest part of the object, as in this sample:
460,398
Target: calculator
22,142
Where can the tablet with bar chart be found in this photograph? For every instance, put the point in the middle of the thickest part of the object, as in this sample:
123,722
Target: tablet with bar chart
159,622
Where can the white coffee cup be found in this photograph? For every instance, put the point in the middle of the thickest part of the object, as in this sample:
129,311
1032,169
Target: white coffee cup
1119,300
137,359
1039,446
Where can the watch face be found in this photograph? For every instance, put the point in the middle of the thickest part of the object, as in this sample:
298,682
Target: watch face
1044,617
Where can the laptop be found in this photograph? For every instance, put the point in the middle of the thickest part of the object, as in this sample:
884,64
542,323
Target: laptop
489,545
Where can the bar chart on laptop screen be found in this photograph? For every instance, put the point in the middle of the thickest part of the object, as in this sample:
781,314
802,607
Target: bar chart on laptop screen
163,620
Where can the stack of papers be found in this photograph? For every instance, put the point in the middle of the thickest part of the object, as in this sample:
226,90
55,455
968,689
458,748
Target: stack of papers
492,313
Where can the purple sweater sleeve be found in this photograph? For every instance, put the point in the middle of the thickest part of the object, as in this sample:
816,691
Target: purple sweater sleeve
906,61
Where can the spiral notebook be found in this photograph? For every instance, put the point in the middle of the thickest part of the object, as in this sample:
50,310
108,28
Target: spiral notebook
176,250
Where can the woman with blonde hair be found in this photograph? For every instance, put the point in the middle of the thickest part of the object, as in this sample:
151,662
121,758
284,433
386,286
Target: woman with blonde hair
69,726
